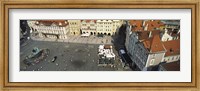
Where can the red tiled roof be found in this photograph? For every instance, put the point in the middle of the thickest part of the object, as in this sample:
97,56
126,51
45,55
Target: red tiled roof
154,44
61,23
153,24
172,47
145,34
137,24
147,43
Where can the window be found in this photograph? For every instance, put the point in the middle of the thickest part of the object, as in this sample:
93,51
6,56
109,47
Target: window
152,61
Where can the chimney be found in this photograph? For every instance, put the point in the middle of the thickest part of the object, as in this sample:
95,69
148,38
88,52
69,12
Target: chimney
150,33
143,23
146,27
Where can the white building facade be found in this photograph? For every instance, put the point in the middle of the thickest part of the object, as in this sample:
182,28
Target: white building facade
88,26
108,27
56,29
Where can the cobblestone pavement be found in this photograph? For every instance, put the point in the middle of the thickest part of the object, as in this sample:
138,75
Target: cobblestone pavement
70,57
78,39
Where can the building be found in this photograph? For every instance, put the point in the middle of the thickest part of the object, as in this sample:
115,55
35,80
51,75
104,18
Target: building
170,34
106,55
173,51
105,27
150,25
146,25
75,27
56,29
88,26
172,66
116,25
108,27
174,24
146,51
142,25
146,47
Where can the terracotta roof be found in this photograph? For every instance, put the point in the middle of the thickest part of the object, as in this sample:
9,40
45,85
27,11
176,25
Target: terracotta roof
137,25
145,34
153,24
61,23
147,43
172,47
154,44
172,66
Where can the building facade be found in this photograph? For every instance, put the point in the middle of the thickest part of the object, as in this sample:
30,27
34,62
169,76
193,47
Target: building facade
116,25
173,51
145,53
74,27
108,27
105,27
56,29
88,26
149,47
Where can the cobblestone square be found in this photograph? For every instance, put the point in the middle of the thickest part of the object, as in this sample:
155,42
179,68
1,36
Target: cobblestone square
70,57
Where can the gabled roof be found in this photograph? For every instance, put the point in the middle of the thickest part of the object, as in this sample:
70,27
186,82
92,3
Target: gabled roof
154,44
172,47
